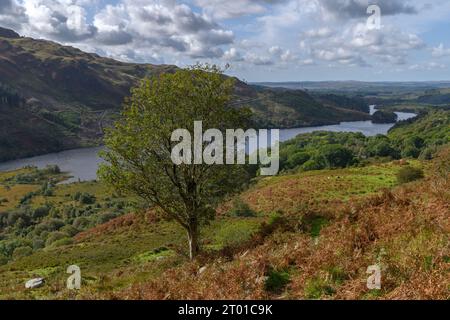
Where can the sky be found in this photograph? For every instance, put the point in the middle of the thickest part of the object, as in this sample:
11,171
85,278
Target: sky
260,40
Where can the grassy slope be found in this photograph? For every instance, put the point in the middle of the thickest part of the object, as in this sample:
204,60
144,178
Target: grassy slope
404,230
121,253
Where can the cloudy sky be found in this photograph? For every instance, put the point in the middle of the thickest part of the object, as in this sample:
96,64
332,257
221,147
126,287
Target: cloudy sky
262,40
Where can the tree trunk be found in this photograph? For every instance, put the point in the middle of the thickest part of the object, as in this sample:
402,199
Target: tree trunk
193,242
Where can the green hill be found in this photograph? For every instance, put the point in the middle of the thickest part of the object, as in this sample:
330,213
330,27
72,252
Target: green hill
65,97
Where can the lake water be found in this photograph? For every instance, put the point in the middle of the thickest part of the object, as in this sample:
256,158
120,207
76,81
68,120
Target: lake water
82,164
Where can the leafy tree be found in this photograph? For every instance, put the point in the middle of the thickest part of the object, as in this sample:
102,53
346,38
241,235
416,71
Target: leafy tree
139,146
297,159
380,146
336,156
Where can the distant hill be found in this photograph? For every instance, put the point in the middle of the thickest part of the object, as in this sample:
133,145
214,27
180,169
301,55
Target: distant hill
358,86
64,97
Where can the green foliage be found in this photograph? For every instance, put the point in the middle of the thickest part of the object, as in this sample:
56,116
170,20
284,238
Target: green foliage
409,174
297,159
316,288
138,157
276,280
384,117
3,259
428,130
21,252
105,217
415,138
61,242
41,212
381,146
234,233
86,198
70,230
336,156
314,224
81,223
55,236
241,209
7,247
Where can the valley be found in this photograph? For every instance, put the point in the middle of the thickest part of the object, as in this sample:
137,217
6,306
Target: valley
64,98
309,233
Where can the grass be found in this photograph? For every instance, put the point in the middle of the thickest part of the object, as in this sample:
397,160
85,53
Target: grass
133,251
13,194
317,189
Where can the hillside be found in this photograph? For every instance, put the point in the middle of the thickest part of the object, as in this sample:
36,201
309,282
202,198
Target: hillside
342,202
282,108
313,236
65,97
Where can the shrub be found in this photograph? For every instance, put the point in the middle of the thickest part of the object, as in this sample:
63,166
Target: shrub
3,259
70,230
87,198
38,244
81,223
77,196
52,169
105,217
55,236
52,224
410,152
18,215
313,164
21,252
62,242
241,209
409,174
428,153
41,212
276,281
7,247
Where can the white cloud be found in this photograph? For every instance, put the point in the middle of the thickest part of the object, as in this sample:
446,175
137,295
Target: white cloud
221,9
256,33
440,51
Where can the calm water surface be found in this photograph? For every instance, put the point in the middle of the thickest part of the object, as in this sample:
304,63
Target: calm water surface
82,164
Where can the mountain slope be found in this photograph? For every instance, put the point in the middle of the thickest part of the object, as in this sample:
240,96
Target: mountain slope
67,97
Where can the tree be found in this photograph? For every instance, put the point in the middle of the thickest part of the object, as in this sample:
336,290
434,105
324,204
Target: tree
139,146
336,156
384,117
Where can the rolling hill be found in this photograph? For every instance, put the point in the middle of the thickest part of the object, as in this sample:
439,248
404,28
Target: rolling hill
64,97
